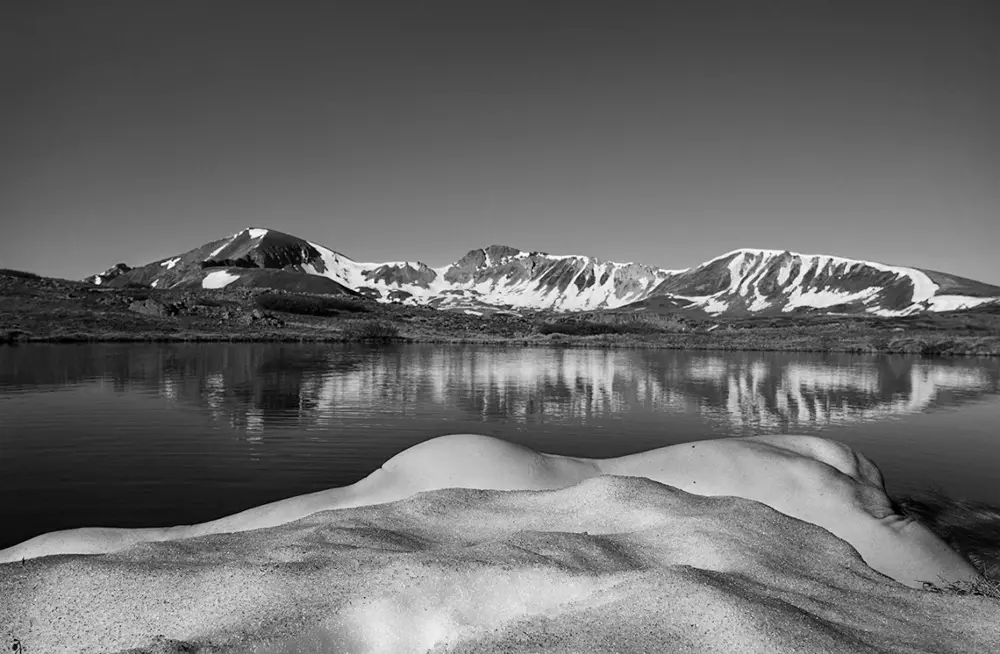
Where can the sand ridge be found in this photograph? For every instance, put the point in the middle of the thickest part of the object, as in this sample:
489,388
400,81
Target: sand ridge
470,543
612,564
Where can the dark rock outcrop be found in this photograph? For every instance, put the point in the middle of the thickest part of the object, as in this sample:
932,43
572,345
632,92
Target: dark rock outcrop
111,273
402,274
150,307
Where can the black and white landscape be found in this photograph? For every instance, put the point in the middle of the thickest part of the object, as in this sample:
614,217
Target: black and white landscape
499,277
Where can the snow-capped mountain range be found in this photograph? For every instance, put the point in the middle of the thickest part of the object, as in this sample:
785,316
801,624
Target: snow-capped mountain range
741,282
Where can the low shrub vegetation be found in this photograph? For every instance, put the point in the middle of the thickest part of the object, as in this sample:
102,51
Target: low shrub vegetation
12,335
971,528
24,274
38,308
308,305
980,587
588,328
370,331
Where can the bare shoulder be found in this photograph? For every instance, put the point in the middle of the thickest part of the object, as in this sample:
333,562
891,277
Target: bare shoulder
476,461
464,448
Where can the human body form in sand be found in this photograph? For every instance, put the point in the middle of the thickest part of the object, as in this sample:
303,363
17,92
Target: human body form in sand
822,482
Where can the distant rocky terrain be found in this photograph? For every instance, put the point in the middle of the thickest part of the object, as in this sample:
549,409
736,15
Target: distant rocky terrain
35,308
503,279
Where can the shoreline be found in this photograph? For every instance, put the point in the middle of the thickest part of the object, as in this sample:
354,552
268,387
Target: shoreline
629,565
953,347
46,310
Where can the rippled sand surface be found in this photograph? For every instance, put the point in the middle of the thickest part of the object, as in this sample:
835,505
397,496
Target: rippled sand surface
614,564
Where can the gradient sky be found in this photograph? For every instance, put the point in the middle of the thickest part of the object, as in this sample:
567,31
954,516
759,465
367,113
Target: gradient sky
665,133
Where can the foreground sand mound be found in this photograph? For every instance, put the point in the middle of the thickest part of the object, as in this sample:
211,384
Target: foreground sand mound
614,564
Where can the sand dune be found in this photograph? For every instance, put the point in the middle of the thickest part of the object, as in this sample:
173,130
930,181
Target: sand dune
610,564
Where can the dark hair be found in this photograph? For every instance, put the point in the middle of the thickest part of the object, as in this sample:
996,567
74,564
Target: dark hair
971,528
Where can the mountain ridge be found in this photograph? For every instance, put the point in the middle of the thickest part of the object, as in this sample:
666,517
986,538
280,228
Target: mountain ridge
503,278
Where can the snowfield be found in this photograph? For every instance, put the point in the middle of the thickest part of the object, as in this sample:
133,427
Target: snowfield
743,281
218,279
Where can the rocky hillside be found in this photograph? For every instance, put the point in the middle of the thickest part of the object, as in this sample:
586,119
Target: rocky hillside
500,278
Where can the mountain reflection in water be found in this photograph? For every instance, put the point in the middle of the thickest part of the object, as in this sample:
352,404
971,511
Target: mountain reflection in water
161,434
250,385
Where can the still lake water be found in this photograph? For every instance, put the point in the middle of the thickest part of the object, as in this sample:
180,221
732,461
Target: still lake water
163,434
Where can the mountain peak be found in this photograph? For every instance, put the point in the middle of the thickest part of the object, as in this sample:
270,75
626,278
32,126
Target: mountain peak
744,281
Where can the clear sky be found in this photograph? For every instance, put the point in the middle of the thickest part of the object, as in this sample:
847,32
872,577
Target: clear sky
661,132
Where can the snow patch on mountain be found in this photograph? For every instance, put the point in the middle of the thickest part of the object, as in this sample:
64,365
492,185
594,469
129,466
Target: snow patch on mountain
503,278
334,265
956,302
783,273
218,279
815,281
759,304
712,305
819,299
222,247
924,288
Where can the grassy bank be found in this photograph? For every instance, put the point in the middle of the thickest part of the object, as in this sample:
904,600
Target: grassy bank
38,309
